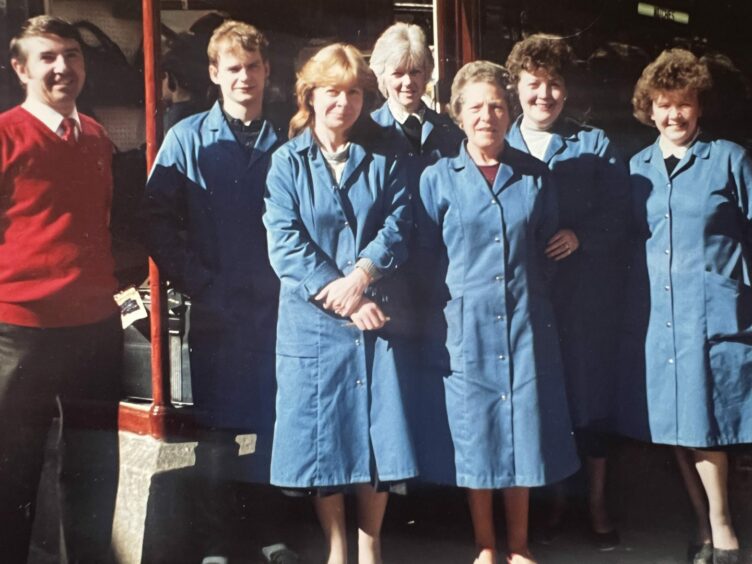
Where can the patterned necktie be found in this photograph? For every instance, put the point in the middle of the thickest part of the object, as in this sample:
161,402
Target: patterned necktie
68,130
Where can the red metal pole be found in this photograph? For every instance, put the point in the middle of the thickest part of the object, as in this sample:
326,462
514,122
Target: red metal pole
152,82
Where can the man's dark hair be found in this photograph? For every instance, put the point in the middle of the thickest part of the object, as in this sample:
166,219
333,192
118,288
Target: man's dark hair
41,25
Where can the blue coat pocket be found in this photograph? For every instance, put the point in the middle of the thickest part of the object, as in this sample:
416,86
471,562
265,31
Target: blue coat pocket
727,307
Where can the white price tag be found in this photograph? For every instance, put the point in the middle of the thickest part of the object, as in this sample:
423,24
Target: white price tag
131,306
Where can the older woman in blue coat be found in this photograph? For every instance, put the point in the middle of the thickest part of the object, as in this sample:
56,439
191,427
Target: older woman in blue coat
592,185
690,301
338,219
419,137
486,217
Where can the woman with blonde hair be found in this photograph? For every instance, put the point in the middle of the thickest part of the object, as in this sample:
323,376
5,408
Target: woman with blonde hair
403,63
338,219
486,216
688,333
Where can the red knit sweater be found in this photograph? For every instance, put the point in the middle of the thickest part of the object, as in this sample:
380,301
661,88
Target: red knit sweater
56,267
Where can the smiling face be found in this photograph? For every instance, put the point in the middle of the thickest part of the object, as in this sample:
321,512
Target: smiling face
542,97
336,107
53,72
405,85
241,76
484,118
676,114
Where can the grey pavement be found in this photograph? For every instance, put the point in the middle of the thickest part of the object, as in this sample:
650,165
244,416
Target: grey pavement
155,521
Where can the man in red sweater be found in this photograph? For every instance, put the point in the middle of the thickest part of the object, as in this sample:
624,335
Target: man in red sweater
60,335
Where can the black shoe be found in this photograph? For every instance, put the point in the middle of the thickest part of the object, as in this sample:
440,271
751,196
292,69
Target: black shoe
546,533
722,556
280,554
606,542
700,553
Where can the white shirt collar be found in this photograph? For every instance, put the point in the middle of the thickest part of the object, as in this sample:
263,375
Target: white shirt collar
48,116
668,149
401,115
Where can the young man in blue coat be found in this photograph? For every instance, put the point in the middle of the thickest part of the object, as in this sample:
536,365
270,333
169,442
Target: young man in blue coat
204,201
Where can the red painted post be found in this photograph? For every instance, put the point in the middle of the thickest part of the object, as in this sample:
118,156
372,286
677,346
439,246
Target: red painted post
153,82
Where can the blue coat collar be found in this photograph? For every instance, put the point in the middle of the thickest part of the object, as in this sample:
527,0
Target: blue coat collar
217,126
564,131
699,149
508,171
384,117
305,142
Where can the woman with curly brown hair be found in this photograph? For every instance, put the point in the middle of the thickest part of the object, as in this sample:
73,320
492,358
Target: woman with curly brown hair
688,331
592,186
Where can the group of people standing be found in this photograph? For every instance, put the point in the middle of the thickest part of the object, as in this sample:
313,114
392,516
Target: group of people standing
469,302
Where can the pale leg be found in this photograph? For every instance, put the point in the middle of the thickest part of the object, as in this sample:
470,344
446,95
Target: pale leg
331,514
712,466
696,494
371,509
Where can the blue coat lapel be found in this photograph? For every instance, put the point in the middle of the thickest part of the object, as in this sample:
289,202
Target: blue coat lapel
354,160
561,133
655,158
473,176
557,145
266,141
321,175
217,130
699,149
425,130
384,117
504,177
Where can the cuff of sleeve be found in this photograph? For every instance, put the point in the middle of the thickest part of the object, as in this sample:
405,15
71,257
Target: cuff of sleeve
366,265
380,257
320,277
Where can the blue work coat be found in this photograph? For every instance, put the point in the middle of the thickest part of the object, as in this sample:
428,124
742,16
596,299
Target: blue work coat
592,185
340,414
440,137
204,201
688,330
505,395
